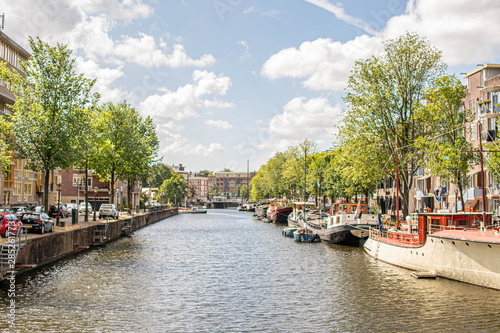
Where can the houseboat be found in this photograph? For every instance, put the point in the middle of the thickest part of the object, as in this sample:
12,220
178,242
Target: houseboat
462,246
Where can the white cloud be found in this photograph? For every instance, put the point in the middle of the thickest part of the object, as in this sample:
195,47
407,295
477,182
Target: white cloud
339,12
175,143
220,124
188,100
323,63
315,119
144,51
105,78
246,53
466,31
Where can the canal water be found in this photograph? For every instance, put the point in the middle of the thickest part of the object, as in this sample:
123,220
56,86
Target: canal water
227,272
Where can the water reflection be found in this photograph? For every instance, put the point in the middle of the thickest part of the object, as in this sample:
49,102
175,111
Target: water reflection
225,271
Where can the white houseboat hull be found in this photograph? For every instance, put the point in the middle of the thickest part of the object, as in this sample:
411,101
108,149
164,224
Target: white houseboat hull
463,260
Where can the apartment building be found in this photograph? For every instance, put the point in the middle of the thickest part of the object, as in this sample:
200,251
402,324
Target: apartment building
201,183
227,182
483,95
20,186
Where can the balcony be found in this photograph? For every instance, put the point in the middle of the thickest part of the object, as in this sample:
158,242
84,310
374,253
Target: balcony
473,193
489,110
489,135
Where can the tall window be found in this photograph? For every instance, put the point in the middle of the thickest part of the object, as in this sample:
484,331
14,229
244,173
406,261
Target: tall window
18,186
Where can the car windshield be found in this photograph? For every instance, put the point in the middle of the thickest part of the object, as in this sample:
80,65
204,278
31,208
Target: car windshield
31,216
107,207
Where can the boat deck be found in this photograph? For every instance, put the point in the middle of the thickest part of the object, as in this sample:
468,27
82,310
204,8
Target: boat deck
487,236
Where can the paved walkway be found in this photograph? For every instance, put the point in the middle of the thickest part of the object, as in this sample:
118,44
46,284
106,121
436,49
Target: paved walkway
81,223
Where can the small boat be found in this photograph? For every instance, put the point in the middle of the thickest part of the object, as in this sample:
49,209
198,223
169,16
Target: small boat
242,208
306,236
299,208
350,225
260,210
196,210
250,207
288,231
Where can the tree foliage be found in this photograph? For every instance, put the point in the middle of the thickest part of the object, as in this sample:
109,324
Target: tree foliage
383,94
173,189
448,154
51,106
157,174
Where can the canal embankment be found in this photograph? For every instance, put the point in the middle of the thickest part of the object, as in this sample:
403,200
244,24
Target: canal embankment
49,247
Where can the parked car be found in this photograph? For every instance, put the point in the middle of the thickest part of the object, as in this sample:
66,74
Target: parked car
19,211
40,222
38,209
81,208
6,210
71,206
9,225
54,210
108,210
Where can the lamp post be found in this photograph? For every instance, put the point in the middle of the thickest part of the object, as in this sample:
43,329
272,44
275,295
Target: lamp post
95,199
58,202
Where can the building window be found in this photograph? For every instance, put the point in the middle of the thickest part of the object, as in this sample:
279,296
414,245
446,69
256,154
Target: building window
18,164
28,189
18,186
472,134
6,197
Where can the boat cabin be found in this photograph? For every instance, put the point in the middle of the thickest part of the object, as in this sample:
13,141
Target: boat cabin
414,230
349,207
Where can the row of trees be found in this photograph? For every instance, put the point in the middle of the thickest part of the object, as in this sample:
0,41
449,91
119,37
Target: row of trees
56,122
403,113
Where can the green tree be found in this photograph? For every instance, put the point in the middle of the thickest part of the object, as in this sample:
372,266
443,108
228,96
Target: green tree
383,95
192,191
129,145
173,189
214,189
206,172
448,154
50,104
157,174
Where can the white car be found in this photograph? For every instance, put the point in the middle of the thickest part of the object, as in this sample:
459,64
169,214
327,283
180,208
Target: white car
81,208
108,210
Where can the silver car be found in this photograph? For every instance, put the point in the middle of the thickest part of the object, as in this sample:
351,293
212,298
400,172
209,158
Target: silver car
108,210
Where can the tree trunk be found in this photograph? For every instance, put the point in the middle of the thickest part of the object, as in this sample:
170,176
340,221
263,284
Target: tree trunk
46,189
86,192
129,196
112,184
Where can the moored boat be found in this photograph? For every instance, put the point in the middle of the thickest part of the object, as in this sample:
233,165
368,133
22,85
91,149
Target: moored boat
260,210
299,208
306,236
278,215
349,225
457,246
196,210
288,231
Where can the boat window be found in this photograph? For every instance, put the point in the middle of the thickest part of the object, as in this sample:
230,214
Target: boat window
463,222
450,222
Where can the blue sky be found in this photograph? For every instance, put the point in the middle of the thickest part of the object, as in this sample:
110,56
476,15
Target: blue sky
228,81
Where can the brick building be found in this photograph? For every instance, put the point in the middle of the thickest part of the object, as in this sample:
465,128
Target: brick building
20,186
227,182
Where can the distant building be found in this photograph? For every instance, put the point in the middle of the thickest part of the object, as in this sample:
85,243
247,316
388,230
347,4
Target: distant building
227,182
201,183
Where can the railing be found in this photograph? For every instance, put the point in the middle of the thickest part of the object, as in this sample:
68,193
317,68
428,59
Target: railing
473,193
396,237
489,233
